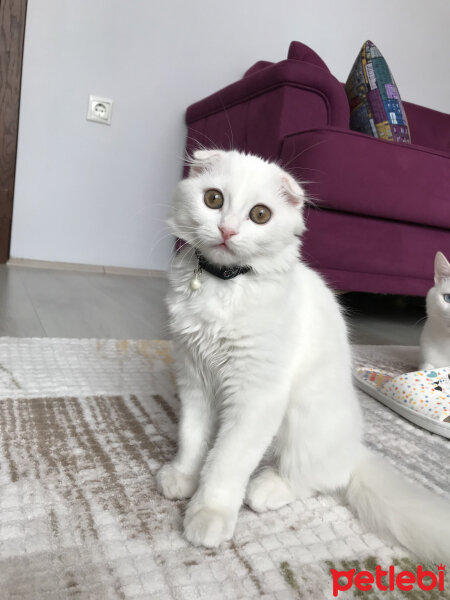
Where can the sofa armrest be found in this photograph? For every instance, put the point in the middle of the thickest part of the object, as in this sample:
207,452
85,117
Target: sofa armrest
258,66
257,112
287,73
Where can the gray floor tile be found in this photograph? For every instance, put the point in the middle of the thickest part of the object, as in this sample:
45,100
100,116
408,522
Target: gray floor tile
74,304
17,315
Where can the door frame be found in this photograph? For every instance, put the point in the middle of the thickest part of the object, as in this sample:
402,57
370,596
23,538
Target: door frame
12,34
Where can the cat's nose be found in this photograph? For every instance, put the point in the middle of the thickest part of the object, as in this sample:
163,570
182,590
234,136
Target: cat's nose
227,232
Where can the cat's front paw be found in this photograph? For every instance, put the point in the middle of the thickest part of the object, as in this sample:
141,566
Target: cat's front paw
205,526
268,491
173,484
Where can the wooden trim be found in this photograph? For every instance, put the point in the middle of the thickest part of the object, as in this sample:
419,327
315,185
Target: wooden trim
12,32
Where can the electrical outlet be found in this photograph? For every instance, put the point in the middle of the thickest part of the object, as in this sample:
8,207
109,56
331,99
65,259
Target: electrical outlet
99,110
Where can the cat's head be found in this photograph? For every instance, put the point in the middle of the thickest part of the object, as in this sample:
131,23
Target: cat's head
238,209
438,298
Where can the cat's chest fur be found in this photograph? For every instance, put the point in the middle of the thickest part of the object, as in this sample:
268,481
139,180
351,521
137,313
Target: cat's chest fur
225,320
435,342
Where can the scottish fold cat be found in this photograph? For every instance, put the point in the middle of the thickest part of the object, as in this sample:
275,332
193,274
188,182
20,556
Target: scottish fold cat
435,338
263,365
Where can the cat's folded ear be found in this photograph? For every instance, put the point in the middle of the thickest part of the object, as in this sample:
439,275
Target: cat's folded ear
441,267
292,190
202,160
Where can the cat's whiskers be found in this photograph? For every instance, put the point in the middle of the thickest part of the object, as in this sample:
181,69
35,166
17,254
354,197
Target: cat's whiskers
212,144
192,246
294,158
159,241
199,145
420,320
187,255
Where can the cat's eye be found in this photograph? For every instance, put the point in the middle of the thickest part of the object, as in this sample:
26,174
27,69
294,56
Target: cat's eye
260,214
213,198
446,298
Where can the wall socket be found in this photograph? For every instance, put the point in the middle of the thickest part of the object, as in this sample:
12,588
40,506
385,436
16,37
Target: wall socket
99,110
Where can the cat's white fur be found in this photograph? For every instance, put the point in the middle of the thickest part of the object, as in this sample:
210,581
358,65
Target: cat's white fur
435,339
263,362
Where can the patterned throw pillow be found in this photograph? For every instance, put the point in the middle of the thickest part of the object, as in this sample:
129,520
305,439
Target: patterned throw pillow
375,104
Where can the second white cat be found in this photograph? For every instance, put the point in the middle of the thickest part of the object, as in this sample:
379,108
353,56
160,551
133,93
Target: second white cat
435,339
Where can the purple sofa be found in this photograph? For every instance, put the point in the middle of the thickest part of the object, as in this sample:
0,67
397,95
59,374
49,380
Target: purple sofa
382,208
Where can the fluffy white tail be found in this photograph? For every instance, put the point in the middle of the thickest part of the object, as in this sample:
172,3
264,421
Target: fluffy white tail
392,507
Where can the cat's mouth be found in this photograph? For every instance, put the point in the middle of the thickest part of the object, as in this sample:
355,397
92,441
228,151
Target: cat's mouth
222,252
224,246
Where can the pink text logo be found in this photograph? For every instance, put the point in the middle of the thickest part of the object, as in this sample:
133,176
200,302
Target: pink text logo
388,580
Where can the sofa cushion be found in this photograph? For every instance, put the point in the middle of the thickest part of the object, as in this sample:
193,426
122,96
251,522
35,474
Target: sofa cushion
375,104
355,173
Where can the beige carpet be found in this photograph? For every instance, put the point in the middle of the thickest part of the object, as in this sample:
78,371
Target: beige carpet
85,425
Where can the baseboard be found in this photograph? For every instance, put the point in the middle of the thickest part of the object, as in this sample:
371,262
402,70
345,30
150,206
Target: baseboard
64,266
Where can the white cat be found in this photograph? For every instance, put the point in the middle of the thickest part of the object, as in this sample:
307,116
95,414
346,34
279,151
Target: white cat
435,339
263,360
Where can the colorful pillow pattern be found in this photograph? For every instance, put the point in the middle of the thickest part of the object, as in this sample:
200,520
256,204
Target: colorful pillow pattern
375,104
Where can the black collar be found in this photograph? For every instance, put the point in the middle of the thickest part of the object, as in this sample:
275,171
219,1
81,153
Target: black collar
223,272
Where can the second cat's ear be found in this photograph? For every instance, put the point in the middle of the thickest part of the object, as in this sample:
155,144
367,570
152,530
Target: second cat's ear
293,192
441,267
202,160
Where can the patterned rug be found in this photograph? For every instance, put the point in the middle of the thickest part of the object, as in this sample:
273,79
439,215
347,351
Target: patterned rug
84,427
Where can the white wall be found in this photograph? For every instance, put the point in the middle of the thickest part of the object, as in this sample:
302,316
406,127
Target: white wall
90,193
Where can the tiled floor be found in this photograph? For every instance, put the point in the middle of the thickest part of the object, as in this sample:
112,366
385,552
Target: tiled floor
56,303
